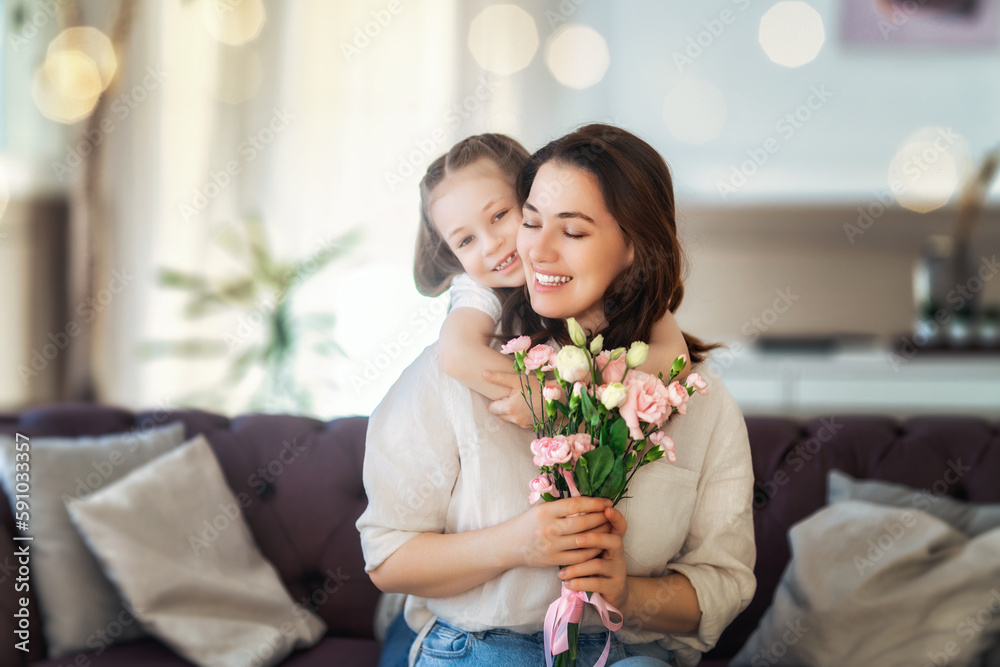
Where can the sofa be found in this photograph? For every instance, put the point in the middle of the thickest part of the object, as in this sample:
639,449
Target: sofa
303,520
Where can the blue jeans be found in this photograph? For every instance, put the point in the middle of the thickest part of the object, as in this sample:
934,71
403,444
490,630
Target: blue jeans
445,644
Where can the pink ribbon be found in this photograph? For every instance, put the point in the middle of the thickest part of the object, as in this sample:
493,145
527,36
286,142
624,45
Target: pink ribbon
568,609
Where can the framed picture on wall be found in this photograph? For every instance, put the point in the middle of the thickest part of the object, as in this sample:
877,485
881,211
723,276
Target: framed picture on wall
951,23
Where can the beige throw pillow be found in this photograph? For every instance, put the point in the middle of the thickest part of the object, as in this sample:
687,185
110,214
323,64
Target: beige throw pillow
80,609
208,594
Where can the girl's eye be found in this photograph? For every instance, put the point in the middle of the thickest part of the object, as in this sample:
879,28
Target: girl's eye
498,216
466,241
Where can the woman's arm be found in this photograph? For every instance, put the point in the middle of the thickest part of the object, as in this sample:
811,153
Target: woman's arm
666,343
465,352
434,565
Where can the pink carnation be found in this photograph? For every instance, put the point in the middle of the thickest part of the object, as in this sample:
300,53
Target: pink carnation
646,401
538,357
551,451
519,344
553,392
678,396
664,442
699,384
579,444
539,485
611,370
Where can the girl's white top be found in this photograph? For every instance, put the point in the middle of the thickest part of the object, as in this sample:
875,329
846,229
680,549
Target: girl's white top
438,461
467,293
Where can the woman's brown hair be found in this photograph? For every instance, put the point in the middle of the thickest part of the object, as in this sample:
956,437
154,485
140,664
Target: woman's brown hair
638,192
434,263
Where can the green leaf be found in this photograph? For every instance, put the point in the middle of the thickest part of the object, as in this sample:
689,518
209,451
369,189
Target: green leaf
652,455
589,411
612,486
548,497
677,367
618,436
600,461
181,280
582,475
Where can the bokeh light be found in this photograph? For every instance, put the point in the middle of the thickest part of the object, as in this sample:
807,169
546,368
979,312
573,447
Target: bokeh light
695,111
66,86
928,168
239,75
503,39
234,22
792,33
94,44
577,56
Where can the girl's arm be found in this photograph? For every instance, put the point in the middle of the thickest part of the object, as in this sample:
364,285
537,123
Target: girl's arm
465,351
666,343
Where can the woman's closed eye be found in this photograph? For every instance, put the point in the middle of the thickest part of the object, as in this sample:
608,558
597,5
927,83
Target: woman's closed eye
568,233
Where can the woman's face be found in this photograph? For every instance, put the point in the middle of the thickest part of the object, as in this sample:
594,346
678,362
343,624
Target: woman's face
571,247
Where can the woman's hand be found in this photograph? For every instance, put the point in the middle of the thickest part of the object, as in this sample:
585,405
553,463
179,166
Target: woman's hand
604,574
514,409
547,534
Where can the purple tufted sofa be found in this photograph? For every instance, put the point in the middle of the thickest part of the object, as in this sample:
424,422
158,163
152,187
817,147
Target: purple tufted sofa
303,521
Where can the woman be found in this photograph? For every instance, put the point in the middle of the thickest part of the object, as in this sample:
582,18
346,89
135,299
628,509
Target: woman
449,522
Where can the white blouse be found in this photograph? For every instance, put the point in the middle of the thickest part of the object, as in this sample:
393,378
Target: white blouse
437,461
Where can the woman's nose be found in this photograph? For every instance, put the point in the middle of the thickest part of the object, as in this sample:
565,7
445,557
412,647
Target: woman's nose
541,247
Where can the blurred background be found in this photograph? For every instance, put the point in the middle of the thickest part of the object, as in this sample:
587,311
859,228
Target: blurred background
213,203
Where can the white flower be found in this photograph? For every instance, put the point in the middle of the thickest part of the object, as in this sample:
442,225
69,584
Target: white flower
572,364
576,332
637,354
614,395
596,344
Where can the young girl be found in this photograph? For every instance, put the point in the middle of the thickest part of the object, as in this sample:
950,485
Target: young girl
469,218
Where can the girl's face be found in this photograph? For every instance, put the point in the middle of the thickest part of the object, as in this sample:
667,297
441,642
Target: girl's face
571,246
475,211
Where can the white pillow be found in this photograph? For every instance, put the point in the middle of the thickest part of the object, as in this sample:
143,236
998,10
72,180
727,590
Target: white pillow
971,518
80,609
874,585
172,536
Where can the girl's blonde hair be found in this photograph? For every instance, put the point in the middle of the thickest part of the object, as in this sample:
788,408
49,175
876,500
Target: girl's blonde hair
434,263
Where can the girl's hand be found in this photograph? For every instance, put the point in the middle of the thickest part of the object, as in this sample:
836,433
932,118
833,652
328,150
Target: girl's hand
514,409
606,573
547,534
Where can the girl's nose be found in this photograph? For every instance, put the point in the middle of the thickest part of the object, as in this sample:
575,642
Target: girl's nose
493,243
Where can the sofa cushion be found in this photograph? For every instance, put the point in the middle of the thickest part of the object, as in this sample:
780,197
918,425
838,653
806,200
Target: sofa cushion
791,458
970,518
79,606
172,537
302,489
876,585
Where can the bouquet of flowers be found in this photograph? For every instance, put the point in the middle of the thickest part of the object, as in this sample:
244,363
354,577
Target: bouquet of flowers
600,422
